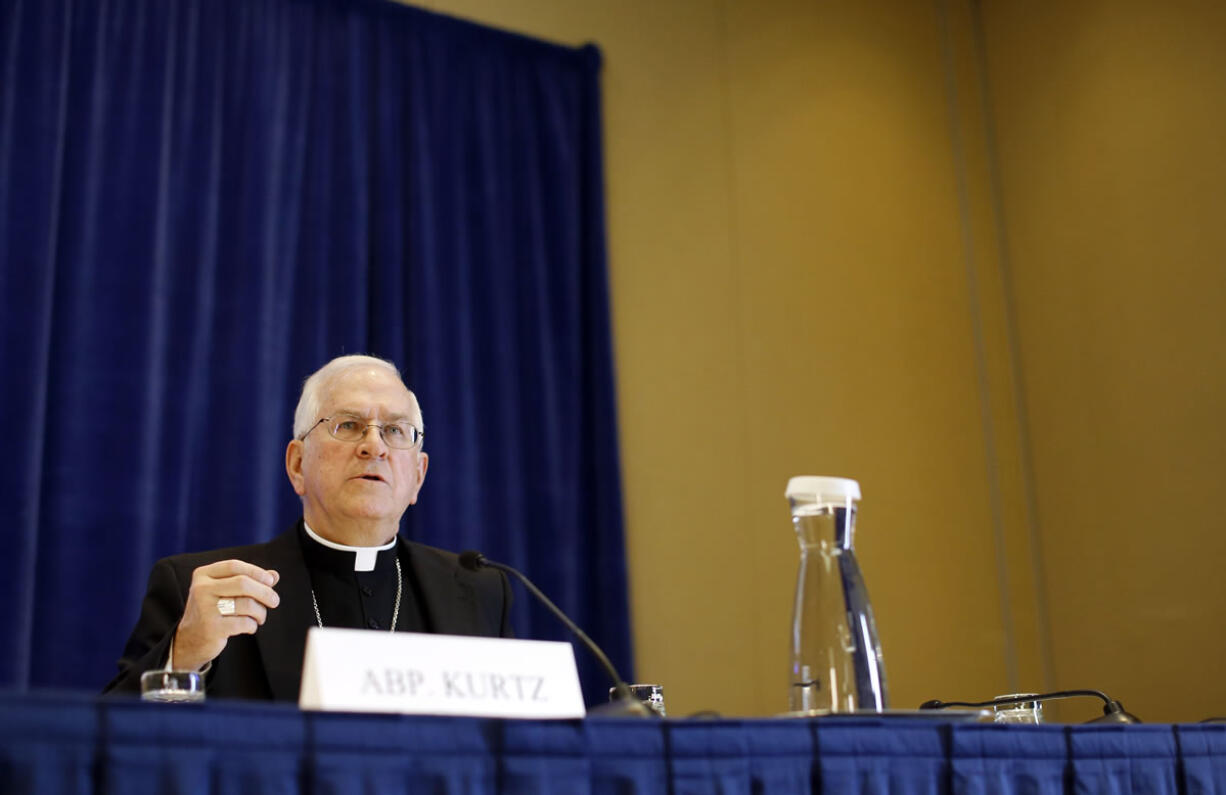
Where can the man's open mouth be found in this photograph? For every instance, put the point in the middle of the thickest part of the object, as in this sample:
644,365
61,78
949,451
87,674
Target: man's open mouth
375,478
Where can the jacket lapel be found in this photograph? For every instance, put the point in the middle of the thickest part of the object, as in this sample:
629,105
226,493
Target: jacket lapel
282,639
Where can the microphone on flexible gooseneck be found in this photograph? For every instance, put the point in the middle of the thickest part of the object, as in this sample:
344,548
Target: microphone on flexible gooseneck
1113,711
625,703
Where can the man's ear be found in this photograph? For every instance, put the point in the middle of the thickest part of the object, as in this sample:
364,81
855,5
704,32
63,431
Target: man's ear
293,467
423,462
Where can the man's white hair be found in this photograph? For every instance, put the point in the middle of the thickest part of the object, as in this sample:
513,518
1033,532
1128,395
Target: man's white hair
310,403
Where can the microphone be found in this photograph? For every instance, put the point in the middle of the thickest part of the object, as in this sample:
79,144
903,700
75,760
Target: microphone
625,704
1113,711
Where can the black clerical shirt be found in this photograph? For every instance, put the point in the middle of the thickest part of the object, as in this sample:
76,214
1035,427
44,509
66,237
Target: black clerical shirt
362,599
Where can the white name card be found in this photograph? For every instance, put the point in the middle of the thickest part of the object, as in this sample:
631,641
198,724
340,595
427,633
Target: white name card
358,670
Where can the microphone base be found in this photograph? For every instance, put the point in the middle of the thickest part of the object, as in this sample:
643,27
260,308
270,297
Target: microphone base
623,708
1117,715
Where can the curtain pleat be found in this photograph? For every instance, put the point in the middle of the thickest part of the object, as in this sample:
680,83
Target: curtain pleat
204,200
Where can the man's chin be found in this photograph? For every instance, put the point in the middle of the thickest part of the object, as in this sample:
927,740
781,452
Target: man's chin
372,510
365,504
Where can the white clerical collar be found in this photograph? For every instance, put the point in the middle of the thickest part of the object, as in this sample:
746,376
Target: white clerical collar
364,557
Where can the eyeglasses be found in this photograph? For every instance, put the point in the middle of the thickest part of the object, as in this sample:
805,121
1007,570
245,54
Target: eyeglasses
348,428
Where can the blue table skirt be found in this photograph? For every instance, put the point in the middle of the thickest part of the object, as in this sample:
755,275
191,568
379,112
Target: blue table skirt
71,744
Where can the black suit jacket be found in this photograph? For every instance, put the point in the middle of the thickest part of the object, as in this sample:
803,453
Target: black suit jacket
268,664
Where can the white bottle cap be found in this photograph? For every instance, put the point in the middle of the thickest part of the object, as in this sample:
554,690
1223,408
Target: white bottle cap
823,489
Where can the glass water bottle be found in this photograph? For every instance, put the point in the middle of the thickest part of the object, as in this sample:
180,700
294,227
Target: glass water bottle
836,657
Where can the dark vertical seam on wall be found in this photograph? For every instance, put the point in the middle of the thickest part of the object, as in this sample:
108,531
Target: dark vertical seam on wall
734,255
981,375
1015,354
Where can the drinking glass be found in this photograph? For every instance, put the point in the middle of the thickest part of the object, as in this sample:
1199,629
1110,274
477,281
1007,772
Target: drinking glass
1022,712
172,686
651,695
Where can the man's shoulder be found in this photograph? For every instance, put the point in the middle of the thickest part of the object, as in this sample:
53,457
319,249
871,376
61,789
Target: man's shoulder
437,555
445,564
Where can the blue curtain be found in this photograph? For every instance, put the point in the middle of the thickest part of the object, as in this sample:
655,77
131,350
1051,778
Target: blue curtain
202,201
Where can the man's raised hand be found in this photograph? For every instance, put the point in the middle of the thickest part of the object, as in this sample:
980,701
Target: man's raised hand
209,620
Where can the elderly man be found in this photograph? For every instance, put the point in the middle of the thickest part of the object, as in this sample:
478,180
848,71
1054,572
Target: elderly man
242,613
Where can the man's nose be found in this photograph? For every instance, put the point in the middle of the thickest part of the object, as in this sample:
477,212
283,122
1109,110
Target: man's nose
372,444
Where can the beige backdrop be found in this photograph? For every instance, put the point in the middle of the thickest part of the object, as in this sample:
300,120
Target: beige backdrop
972,257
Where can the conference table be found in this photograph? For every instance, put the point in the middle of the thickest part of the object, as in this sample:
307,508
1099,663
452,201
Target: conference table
70,743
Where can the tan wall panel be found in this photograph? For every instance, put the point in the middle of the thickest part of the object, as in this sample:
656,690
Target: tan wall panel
1111,120
993,329
857,332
